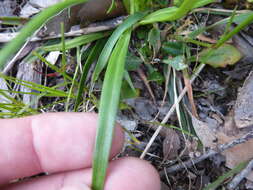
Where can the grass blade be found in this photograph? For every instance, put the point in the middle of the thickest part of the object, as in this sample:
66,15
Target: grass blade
237,29
108,109
174,13
106,52
78,41
227,175
31,27
237,19
49,91
91,58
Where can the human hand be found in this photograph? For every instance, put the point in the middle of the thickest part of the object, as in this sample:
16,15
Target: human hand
62,145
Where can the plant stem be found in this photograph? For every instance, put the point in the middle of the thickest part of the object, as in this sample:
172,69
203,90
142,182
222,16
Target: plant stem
31,27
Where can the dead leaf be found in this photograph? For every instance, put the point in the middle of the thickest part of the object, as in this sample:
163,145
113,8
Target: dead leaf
230,127
243,110
171,145
221,57
240,153
240,117
204,133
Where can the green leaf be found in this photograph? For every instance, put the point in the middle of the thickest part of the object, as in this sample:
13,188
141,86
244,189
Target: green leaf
220,57
229,174
142,33
49,91
91,58
31,27
13,20
129,80
127,92
78,41
145,52
55,68
156,77
178,2
177,62
132,62
237,29
112,6
238,19
142,5
106,52
154,39
174,13
173,48
108,109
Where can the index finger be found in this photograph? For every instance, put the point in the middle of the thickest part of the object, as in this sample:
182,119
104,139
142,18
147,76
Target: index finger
51,143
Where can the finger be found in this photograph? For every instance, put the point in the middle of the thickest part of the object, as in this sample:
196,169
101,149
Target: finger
83,187
48,143
124,174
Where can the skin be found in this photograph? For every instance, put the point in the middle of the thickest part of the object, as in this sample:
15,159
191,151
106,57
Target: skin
62,145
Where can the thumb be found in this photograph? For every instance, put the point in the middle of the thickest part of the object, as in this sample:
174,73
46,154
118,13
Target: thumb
82,187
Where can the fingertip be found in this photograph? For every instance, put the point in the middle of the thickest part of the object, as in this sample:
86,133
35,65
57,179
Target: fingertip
51,142
118,140
72,133
124,174
132,173
63,141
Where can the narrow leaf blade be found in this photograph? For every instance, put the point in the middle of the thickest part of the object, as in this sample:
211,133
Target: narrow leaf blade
108,109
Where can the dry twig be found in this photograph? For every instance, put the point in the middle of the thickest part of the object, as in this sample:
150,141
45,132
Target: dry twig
170,112
145,80
101,26
208,154
239,177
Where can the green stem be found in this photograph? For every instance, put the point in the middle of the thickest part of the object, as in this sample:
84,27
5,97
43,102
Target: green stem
204,3
174,13
108,109
237,29
186,6
190,40
30,28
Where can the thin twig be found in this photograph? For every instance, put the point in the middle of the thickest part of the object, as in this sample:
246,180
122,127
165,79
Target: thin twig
166,84
208,154
145,80
190,93
220,10
103,26
96,27
239,177
170,112
10,64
